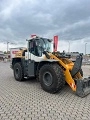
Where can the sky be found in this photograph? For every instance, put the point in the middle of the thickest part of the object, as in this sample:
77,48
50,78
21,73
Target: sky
69,19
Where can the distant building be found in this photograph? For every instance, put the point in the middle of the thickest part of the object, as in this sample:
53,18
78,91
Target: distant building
1,55
73,54
4,55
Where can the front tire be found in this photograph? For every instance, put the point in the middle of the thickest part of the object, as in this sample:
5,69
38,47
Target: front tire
18,72
51,78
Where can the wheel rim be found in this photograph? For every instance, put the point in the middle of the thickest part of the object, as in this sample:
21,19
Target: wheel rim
47,78
17,73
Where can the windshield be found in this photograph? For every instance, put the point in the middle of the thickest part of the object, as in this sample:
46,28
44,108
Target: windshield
45,44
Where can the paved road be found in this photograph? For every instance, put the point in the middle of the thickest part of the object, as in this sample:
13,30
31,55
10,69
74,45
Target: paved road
27,101
86,69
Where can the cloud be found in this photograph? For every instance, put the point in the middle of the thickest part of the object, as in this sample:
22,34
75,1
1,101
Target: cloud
70,19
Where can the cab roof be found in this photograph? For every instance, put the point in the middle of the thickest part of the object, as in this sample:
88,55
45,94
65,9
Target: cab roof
37,37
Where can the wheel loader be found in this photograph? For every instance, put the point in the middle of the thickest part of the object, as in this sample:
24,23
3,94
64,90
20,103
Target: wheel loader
52,68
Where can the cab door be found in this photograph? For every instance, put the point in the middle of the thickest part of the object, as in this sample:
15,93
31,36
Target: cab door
35,51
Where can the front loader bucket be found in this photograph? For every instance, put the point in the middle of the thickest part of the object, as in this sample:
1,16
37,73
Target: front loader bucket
83,87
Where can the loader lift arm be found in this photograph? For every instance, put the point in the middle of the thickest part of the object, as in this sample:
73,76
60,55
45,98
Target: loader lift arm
77,65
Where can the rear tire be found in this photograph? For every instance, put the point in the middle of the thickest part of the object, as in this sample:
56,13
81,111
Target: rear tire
51,78
18,72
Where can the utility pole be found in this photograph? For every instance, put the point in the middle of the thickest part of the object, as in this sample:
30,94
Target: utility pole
69,47
85,48
7,46
7,43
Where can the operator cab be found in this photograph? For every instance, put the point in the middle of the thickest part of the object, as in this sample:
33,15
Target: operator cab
38,45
